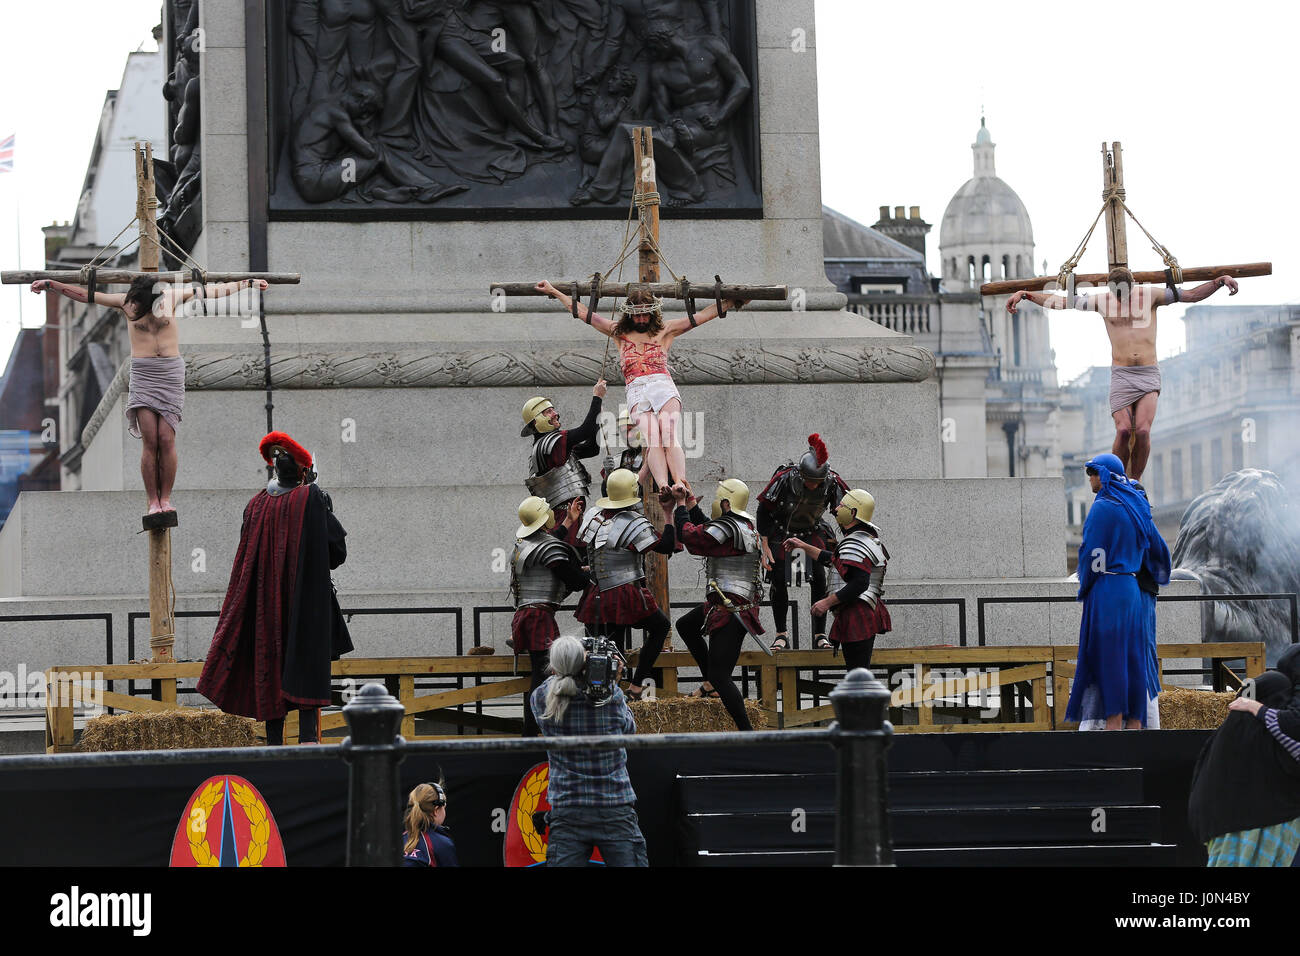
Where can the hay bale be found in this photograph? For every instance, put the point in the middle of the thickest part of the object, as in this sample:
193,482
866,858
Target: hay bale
689,715
1184,709
187,728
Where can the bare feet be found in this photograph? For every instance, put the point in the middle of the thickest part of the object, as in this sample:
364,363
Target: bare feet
166,505
154,508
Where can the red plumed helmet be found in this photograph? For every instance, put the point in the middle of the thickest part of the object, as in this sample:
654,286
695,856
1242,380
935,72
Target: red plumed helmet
280,440
819,448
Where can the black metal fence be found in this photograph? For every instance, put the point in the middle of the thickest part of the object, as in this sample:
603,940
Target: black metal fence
861,735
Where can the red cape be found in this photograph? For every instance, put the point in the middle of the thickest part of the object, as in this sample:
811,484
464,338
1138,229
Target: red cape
280,623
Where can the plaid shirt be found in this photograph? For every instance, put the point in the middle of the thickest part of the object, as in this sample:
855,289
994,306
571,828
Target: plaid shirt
596,778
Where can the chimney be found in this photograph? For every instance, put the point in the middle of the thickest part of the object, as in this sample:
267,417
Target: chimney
910,230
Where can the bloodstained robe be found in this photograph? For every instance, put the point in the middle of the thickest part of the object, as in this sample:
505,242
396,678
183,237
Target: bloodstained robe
280,624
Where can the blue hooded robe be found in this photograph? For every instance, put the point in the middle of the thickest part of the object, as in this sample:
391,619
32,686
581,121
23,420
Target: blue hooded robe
1117,670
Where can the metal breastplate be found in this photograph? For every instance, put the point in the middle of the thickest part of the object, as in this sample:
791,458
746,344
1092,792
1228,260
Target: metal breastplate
861,547
557,485
616,548
739,574
532,581
799,509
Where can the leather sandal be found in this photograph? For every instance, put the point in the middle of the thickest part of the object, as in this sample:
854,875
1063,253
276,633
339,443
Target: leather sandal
781,643
822,643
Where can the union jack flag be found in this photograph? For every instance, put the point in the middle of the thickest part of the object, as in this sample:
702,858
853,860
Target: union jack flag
7,154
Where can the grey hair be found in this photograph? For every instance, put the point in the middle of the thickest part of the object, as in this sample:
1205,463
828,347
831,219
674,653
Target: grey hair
568,657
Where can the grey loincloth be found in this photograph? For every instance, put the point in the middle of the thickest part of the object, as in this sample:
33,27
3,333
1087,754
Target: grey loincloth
1128,383
157,383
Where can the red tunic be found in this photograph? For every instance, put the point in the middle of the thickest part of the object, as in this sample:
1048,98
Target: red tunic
624,606
857,621
534,628
700,542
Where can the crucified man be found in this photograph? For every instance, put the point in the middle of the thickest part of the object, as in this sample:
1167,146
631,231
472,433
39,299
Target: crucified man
1130,314
156,394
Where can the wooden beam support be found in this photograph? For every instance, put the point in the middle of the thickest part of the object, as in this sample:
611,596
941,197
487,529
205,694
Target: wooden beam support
127,276
1152,277
702,292
1112,168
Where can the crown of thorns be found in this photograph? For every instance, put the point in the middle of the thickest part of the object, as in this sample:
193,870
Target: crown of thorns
647,308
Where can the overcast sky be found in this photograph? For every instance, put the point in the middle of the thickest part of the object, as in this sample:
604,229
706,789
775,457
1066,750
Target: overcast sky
1202,96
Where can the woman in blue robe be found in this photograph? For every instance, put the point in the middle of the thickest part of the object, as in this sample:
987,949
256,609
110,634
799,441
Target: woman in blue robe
1114,680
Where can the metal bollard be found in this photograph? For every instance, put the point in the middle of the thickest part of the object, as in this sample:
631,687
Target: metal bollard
372,751
861,733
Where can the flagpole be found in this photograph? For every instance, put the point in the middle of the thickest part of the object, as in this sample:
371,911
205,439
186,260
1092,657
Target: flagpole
18,219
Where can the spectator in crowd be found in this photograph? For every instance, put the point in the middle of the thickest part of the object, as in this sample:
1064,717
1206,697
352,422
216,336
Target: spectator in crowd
426,840
591,796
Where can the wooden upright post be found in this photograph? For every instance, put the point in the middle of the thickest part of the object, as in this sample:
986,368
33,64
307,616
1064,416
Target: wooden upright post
646,196
162,628
1112,165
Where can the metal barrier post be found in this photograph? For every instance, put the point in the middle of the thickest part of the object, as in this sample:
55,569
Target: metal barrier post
372,751
861,734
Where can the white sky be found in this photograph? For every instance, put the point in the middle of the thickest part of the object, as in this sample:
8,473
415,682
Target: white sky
1202,96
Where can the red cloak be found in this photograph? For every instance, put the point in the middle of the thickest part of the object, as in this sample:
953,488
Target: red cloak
280,623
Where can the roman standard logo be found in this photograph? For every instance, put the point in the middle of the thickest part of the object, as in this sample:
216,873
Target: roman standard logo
227,823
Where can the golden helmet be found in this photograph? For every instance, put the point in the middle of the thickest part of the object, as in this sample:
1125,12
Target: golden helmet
535,416
633,435
534,514
735,491
858,501
621,490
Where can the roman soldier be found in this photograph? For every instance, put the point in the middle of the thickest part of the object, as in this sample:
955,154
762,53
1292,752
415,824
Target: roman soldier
543,570
280,624
555,469
632,457
795,502
617,537
728,541
859,562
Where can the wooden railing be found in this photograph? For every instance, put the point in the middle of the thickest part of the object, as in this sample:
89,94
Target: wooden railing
936,683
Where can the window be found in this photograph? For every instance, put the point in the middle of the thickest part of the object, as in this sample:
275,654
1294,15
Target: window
1238,452
1015,336
1069,511
1198,473
1216,460
1176,475
1156,483
1006,267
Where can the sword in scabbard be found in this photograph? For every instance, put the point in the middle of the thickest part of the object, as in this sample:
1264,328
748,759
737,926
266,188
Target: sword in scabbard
730,608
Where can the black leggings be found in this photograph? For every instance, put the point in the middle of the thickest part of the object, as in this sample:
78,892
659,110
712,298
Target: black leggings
539,660
779,592
656,632
858,654
308,727
717,659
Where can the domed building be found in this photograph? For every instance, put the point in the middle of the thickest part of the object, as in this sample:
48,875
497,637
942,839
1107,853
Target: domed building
986,233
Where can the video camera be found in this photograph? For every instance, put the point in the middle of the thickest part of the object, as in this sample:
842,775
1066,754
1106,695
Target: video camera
600,673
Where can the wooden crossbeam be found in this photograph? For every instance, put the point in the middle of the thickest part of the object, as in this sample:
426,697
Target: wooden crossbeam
701,292
127,276
1154,276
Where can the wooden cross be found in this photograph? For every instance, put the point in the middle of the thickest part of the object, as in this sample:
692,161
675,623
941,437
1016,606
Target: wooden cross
1117,245
162,626
646,197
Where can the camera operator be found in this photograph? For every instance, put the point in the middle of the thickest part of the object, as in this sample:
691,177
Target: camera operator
591,796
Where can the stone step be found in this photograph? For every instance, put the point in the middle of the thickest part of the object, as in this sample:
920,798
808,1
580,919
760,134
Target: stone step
444,437
68,543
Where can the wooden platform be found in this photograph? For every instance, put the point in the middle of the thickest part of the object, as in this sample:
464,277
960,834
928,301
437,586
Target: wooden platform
929,680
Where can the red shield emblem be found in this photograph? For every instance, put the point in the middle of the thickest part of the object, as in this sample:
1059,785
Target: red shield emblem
526,829
227,823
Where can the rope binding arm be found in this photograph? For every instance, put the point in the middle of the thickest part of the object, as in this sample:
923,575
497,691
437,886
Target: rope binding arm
197,277
717,296
573,303
597,281
684,291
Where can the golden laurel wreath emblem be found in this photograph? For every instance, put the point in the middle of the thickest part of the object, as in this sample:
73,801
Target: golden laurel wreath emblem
197,827
529,800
